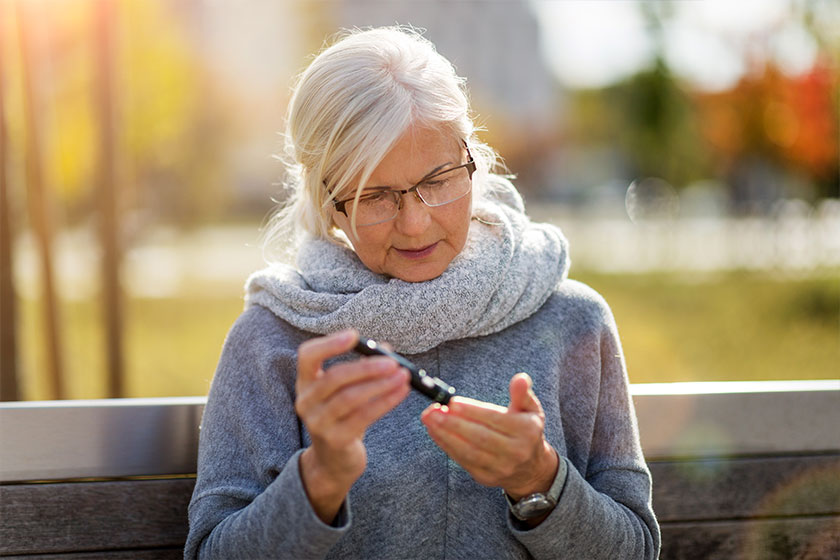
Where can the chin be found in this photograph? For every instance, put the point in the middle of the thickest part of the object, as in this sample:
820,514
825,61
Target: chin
420,273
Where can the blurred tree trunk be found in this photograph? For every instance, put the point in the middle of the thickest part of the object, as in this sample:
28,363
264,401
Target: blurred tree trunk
39,214
105,19
8,313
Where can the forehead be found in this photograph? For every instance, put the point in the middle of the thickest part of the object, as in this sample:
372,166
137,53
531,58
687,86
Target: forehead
417,153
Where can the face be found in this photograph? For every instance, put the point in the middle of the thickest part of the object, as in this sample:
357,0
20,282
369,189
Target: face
421,241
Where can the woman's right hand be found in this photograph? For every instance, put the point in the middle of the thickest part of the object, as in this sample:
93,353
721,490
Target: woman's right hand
337,405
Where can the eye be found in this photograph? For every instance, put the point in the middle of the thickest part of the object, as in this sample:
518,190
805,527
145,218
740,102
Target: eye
375,197
436,182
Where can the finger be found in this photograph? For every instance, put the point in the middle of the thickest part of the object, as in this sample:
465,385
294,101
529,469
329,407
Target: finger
453,444
470,406
353,425
313,352
339,376
522,397
326,419
351,398
488,414
476,434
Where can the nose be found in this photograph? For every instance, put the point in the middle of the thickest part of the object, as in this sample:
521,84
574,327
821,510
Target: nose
413,218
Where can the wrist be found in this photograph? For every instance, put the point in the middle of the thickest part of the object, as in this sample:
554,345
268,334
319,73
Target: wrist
326,491
546,471
532,508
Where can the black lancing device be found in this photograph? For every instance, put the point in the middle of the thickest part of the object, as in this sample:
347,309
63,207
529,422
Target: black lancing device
432,387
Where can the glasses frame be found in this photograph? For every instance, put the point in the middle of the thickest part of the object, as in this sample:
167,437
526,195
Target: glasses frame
341,205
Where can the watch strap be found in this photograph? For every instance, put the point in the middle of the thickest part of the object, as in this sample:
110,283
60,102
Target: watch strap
559,482
551,497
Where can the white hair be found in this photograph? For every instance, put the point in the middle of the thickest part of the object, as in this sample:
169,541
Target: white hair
349,107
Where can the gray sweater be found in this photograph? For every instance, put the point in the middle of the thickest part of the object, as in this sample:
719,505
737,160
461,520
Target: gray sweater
413,501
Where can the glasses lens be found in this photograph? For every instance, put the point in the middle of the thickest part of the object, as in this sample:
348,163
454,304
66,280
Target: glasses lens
445,187
375,208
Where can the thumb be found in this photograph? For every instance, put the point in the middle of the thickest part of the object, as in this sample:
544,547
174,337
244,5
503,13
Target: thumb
522,398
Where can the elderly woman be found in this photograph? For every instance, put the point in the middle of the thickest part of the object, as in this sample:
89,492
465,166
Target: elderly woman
406,236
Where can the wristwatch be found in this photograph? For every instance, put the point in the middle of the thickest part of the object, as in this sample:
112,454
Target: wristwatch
539,503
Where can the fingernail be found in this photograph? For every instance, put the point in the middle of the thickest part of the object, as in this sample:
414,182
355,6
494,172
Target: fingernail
431,412
343,337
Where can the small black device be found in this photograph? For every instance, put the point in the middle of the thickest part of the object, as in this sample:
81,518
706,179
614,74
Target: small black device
432,387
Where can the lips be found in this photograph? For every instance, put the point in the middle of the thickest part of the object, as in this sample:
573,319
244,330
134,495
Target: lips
417,253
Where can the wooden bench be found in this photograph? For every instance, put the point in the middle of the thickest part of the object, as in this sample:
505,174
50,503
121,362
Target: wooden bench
741,470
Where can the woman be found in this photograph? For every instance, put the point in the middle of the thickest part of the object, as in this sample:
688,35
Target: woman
310,451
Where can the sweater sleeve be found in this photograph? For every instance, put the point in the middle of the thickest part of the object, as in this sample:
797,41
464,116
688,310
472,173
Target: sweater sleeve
249,500
605,513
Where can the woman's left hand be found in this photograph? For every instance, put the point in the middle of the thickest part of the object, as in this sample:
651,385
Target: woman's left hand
498,446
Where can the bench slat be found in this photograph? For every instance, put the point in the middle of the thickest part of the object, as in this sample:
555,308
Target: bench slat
814,538
707,508
176,553
735,488
92,516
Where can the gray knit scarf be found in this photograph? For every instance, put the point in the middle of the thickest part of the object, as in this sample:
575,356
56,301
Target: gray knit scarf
507,270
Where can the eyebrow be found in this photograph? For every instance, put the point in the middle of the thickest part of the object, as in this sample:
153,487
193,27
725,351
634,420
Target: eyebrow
431,173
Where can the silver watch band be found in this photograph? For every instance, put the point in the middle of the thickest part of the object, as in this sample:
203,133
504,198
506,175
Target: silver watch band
537,504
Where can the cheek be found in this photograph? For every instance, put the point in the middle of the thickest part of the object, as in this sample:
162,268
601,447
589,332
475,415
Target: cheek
370,246
457,224
361,239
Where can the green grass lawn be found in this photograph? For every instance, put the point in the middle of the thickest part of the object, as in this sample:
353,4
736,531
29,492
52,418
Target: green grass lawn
171,346
732,326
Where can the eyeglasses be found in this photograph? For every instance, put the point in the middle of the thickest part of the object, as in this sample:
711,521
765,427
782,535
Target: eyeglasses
384,204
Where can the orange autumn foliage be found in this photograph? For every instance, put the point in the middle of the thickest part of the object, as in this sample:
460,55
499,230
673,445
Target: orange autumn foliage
788,119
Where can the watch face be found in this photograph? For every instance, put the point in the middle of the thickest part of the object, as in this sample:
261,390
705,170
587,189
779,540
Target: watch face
532,506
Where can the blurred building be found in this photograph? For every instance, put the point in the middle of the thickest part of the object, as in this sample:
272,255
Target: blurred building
496,47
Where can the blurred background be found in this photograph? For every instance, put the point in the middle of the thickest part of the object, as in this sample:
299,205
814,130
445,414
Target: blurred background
689,151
